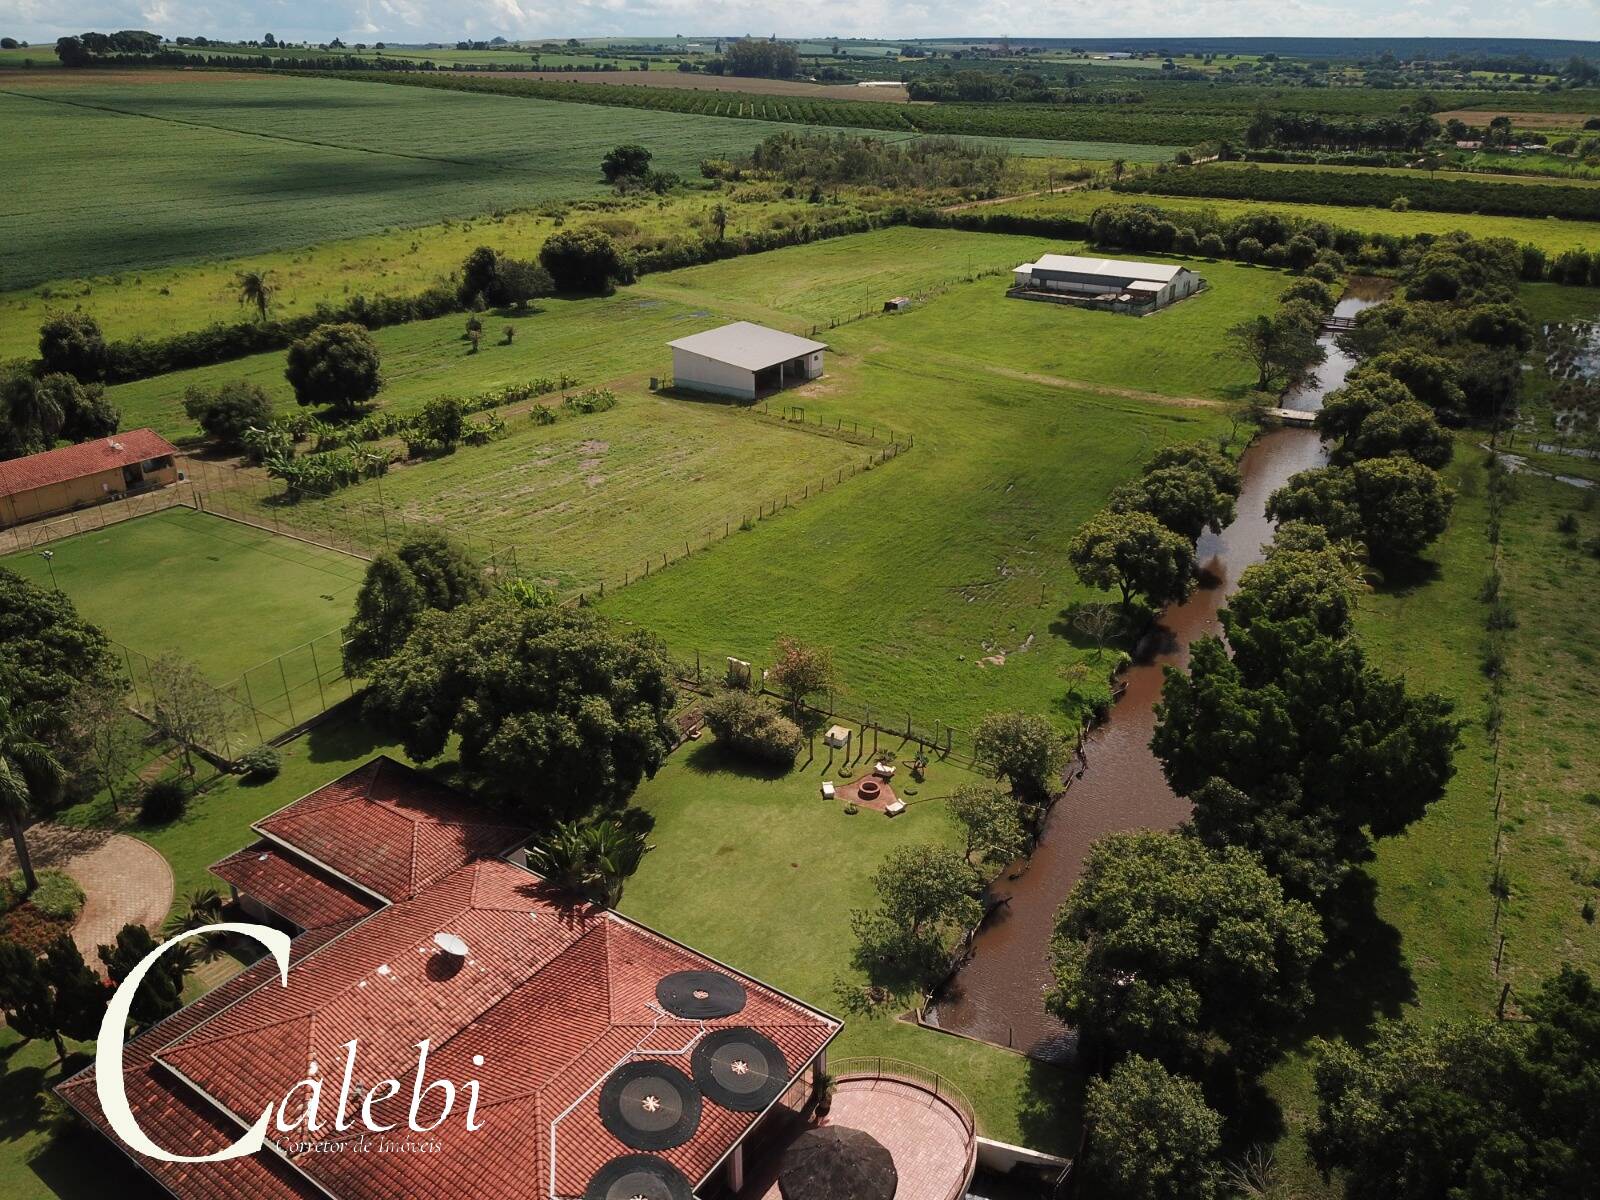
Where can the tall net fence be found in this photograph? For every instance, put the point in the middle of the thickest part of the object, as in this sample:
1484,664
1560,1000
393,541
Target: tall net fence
35,534
265,703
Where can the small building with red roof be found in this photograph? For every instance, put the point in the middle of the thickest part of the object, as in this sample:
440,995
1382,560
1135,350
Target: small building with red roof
71,477
610,1060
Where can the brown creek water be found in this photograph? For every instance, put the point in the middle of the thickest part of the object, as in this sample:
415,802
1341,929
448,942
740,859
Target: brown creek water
998,994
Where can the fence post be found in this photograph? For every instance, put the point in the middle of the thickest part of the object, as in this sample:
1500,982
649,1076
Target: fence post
317,670
287,699
255,713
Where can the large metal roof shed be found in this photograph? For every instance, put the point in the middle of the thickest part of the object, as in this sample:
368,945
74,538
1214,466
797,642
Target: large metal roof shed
744,360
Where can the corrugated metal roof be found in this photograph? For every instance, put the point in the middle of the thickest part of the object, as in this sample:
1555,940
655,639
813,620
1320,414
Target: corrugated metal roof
1115,268
86,458
747,345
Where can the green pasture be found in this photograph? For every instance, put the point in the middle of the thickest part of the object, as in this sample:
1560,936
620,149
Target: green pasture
1025,416
595,340
593,500
131,171
225,596
1549,233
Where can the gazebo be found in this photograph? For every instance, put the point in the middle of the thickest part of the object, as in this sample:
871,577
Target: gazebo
835,1161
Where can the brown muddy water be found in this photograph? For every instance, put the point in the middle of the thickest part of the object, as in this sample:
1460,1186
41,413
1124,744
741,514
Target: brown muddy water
998,994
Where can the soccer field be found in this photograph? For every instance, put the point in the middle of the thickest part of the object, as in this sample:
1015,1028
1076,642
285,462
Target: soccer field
223,595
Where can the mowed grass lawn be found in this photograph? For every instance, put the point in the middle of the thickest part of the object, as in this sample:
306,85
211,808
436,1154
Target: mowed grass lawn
223,595
1549,233
143,169
762,873
839,279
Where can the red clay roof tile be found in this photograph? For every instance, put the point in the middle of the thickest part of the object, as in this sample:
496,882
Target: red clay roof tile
553,997
292,887
86,458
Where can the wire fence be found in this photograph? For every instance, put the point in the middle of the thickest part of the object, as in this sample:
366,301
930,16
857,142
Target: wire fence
874,729
872,308
363,530
265,704
31,536
715,530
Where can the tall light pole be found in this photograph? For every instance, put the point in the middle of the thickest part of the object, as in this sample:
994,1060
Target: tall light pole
49,557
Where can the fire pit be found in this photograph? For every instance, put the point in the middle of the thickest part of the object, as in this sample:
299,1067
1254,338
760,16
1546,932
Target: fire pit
868,790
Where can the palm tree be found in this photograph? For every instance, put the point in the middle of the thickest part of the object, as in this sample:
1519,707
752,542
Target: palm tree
590,858
614,854
255,288
1118,166
29,770
201,907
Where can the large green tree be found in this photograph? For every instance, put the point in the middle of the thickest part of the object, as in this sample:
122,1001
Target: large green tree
1165,943
557,711
48,655
334,366
160,993
1184,499
1396,507
428,570
584,260
1299,749
30,772
1473,1108
1026,751
1151,1136
927,901
1134,553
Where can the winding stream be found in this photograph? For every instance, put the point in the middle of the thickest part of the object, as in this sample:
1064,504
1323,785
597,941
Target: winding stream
998,995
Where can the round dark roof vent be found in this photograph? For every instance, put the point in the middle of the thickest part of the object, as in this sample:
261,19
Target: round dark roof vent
701,995
650,1105
740,1069
638,1177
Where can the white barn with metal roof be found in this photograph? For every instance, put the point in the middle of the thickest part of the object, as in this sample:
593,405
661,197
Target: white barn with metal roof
1073,275
744,360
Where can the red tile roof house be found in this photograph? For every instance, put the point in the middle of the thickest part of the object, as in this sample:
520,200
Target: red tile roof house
603,1049
88,473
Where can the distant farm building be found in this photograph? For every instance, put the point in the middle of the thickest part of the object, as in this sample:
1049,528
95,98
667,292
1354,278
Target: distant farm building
73,476
744,360
1118,284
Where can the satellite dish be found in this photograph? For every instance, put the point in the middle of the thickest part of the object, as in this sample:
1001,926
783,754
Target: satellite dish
450,944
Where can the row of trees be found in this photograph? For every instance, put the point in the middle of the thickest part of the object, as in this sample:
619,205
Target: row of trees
1142,544
1195,953
1370,189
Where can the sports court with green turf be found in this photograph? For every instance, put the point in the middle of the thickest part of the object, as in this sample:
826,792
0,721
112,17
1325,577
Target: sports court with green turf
257,612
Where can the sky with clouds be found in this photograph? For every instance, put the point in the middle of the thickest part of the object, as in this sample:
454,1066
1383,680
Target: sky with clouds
449,20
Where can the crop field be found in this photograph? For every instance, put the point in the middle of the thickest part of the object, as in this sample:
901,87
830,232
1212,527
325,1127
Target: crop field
799,88
396,263
290,162
247,595
623,336
1447,193
1072,129
1549,233
1025,416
